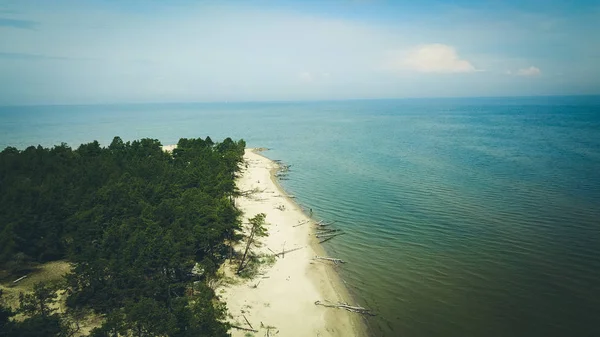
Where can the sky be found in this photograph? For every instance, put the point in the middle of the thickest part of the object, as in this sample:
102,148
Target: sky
126,51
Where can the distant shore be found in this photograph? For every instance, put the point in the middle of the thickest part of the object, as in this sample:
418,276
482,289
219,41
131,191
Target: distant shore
283,296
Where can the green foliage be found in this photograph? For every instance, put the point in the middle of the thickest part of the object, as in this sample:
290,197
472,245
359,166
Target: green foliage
40,320
257,229
132,219
5,314
39,326
39,302
253,265
257,224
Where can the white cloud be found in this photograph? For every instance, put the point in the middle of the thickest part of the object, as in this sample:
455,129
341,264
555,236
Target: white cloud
207,52
531,71
430,58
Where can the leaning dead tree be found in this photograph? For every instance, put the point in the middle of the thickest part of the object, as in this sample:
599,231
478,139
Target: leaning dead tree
257,229
346,306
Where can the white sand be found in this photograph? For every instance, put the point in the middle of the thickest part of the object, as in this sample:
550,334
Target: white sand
285,296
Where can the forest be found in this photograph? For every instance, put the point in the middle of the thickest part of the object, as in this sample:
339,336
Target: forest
133,221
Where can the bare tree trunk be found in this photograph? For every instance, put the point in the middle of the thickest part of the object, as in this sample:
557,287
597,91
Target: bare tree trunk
240,267
256,229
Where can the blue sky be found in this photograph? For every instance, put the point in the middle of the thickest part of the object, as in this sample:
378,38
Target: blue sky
115,51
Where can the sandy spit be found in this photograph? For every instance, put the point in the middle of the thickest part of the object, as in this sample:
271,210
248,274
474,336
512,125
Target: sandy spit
283,295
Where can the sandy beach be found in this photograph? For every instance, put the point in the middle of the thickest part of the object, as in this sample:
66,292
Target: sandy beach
283,295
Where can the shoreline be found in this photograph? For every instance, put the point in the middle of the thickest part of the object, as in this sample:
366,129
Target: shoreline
282,297
331,274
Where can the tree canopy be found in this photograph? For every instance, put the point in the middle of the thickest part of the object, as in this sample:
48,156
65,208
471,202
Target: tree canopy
133,220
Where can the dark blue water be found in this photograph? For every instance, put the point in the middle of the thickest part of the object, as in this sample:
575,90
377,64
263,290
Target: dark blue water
464,217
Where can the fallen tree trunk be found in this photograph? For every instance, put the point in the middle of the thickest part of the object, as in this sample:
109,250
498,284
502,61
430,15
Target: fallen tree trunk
324,224
345,306
251,192
287,251
327,230
324,235
20,278
334,260
250,325
331,237
242,328
301,223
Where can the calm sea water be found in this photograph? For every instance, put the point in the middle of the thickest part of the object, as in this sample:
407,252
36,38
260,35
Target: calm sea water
464,217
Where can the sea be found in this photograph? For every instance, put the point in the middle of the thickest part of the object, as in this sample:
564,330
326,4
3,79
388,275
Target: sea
462,216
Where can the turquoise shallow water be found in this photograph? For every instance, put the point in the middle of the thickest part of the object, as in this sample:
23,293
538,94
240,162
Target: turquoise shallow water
464,217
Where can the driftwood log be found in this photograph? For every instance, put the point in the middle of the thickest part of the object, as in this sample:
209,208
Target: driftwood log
330,237
345,306
251,192
287,251
301,223
325,235
20,278
242,328
325,231
334,260
250,325
324,224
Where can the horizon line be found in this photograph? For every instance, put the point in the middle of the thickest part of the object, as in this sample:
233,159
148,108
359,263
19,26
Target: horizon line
293,101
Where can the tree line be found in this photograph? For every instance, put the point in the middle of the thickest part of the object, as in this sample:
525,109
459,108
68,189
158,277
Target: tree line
133,220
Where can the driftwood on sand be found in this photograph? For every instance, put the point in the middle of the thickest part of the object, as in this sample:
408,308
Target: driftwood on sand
301,223
242,328
287,251
345,306
249,193
250,325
